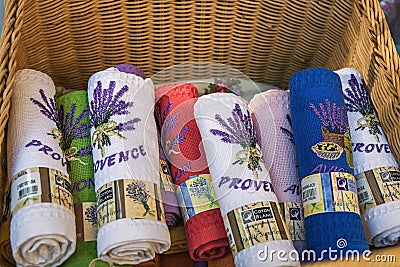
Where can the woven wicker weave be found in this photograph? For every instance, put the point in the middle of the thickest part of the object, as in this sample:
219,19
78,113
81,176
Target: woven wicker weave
267,40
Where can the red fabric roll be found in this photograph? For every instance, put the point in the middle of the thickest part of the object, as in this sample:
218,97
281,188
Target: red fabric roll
181,139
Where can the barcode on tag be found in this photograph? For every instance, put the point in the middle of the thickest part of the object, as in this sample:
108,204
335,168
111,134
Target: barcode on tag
310,192
364,196
363,191
33,190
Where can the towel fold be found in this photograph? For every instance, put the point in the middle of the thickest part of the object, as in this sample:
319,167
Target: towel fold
323,148
225,261
375,167
274,130
131,220
181,141
241,181
43,223
178,240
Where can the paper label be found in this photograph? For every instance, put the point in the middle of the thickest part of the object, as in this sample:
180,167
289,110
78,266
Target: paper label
167,184
329,192
129,199
86,221
40,185
378,186
293,214
254,224
196,195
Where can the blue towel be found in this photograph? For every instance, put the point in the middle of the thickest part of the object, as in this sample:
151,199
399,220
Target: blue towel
319,117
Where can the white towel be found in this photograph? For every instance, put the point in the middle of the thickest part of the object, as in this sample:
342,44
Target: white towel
374,164
126,147
42,234
241,184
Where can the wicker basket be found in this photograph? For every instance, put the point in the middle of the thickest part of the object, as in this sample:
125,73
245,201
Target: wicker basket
267,40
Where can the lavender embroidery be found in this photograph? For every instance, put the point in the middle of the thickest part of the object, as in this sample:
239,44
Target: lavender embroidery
201,189
105,105
333,117
137,190
240,131
169,146
287,132
67,129
91,215
357,100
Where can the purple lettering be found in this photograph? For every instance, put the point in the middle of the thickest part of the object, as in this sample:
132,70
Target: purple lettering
96,166
268,187
63,162
142,151
135,153
387,149
358,147
319,169
103,163
224,180
46,149
186,168
379,148
56,156
257,185
78,188
235,182
123,156
111,159
291,188
90,182
33,143
244,186
369,148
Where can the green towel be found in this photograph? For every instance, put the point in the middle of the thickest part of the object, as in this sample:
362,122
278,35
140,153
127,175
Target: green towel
77,148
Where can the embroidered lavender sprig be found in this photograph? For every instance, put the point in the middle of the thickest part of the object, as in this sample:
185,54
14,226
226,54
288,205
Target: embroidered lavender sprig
333,117
357,100
137,191
162,115
170,145
287,132
68,128
240,130
104,106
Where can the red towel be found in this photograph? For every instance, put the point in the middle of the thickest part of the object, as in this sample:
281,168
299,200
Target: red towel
205,232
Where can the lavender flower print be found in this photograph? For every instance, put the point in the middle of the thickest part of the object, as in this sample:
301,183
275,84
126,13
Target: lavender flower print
239,130
170,145
335,132
91,215
68,128
137,190
357,100
201,189
287,132
106,104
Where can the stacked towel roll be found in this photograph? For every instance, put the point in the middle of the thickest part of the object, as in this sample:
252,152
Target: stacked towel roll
274,131
323,147
178,240
74,108
181,140
43,223
375,167
130,215
242,184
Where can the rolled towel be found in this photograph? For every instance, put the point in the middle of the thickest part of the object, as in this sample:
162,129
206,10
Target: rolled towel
242,184
274,131
178,240
155,262
130,215
181,140
323,147
43,222
74,109
375,167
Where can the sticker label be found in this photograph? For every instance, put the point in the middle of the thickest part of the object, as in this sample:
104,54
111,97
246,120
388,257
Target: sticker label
293,214
196,195
329,192
378,186
86,221
129,199
40,185
254,224
167,184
